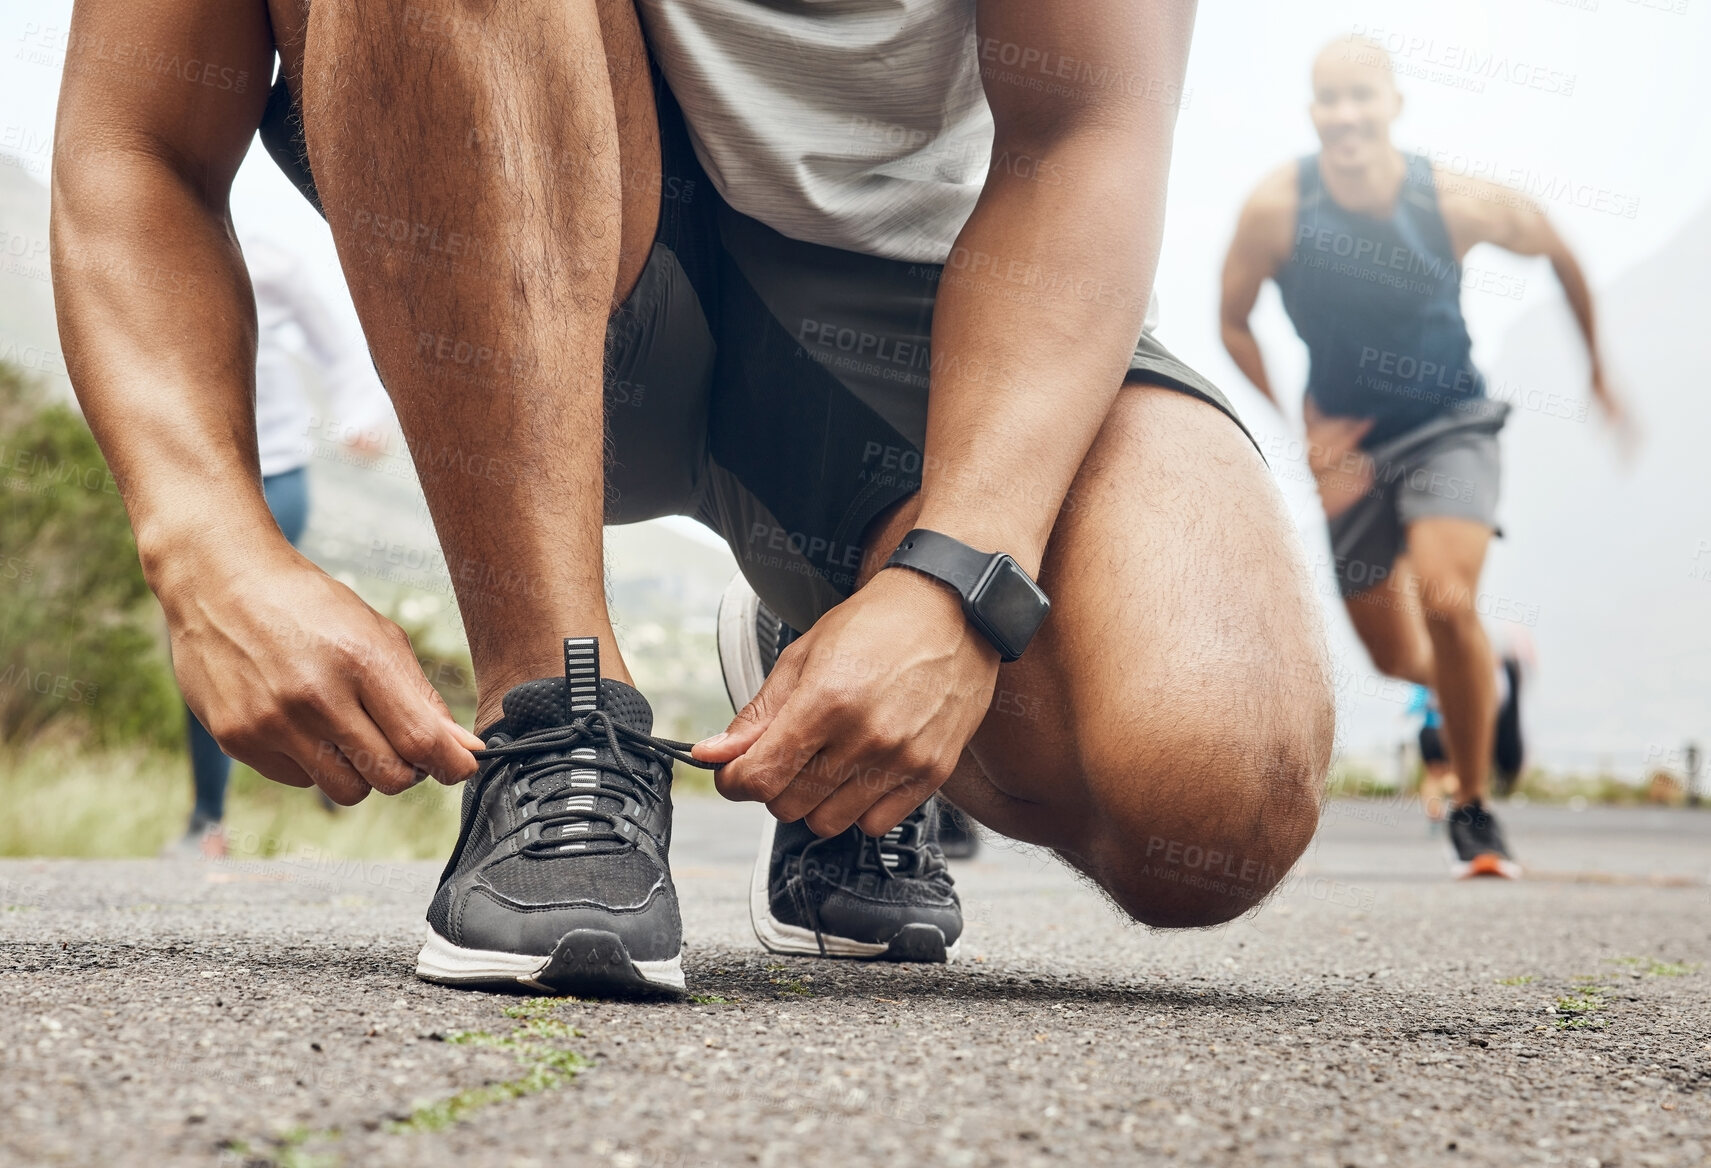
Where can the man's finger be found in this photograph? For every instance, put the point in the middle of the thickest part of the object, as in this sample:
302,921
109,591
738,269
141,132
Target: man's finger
772,761
333,773
417,730
894,807
367,748
819,778
753,719
861,790
279,768
466,738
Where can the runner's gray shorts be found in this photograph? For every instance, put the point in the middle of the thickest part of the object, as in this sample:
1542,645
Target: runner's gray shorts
775,390
1449,467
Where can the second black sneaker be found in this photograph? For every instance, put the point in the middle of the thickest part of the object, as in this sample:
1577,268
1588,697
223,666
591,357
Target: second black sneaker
1478,844
958,838
559,881
851,895
888,898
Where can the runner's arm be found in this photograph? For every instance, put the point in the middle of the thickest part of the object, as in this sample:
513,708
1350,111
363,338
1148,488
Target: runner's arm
288,669
1480,211
1260,246
1046,289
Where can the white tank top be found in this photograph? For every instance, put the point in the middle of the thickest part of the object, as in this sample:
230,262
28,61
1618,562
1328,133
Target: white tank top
859,124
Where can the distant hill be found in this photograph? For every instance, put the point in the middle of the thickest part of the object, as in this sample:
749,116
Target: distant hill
1616,560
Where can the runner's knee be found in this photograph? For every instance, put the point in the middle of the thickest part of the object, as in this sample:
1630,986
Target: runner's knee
1216,813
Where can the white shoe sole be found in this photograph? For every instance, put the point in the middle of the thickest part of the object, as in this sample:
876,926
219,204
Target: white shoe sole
739,652
778,937
441,961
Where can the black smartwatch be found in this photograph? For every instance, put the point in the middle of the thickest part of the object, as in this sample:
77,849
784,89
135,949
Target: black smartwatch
998,597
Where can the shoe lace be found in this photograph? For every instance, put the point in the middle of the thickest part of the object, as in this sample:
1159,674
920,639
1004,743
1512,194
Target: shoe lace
571,754
904,852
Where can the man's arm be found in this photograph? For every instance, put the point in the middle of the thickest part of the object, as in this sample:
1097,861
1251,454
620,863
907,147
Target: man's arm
1478,211
1039,309
1261,245
291,671
1037,315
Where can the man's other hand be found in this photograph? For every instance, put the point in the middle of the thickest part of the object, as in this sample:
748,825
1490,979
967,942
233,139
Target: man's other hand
866,714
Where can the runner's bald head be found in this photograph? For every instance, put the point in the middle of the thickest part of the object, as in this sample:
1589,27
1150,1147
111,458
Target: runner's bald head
1349,56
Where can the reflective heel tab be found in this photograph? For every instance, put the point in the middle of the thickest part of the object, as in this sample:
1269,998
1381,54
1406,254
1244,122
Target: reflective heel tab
581,676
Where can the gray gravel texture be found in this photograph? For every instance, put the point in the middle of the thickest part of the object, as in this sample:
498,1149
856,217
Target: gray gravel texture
1374,1013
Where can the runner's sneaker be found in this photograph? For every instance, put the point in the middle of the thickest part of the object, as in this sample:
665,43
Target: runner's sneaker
559,881
849,895
1508,751
887,898
751,637
1478,844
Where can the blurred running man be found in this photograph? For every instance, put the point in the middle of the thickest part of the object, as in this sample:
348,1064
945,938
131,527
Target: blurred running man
1366,245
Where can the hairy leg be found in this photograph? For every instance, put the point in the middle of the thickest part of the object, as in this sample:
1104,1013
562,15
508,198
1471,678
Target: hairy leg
1390,622
1169,730
491,174
1448,555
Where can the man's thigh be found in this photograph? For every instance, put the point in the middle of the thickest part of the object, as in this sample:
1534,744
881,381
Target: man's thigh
1183,632
1388,621
1447,554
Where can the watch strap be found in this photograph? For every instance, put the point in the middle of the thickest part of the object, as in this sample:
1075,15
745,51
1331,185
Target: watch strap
942,558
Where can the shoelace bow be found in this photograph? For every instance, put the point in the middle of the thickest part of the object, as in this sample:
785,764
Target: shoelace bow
548,752
902,851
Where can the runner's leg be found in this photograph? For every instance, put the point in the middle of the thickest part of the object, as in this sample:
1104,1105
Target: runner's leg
492,185
1447,555
1389,621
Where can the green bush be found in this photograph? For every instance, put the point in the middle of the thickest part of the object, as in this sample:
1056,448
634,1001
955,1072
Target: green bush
81,646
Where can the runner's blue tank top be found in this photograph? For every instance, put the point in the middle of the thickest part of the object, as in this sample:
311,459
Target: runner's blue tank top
1378,302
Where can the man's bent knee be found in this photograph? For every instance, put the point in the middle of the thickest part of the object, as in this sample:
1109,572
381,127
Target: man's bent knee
1208,834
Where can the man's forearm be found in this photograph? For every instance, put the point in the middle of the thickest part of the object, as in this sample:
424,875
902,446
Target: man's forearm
158,326
1579,295
1038,312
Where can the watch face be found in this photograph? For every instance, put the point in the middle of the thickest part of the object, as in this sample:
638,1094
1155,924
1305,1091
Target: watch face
1010,604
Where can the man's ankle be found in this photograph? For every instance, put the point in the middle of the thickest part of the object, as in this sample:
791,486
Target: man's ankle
493,680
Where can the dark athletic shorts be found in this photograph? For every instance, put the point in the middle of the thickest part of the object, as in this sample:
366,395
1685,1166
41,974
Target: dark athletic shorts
775,390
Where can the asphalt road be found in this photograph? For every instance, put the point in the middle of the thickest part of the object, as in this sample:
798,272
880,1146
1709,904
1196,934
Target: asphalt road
1373,1014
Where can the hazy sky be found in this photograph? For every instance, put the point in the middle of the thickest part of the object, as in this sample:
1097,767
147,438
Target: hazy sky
1596,101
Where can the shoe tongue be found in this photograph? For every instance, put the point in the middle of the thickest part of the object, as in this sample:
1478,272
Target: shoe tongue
541,705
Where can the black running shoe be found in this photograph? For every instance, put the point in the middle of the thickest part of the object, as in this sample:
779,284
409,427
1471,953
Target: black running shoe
559,881
1478,844
751,636
887,898
1508,752
957,837
849,895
